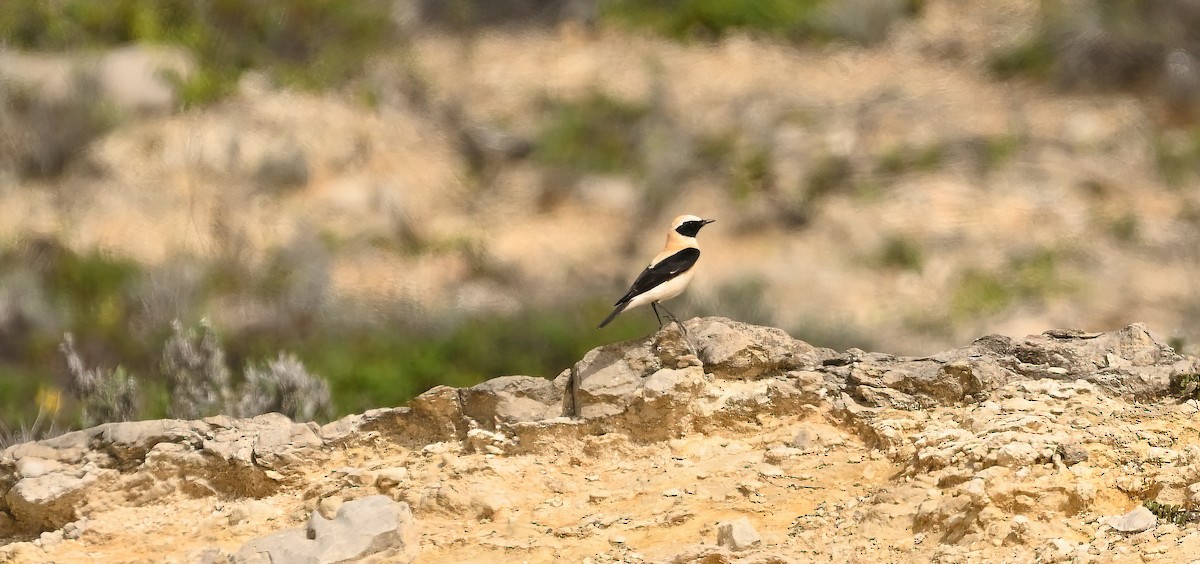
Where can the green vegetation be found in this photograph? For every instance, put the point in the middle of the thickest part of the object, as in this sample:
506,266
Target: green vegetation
901,253
789,20
304,43
1033,58
1100,44
753,173
710,19
906,158
595,134
1026,278
829,174
1171,513
993,152
1185,386
1177,156
1125,228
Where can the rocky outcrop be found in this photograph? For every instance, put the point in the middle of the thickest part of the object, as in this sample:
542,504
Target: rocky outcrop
987,445
52,481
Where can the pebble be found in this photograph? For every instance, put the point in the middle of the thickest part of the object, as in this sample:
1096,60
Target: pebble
673,492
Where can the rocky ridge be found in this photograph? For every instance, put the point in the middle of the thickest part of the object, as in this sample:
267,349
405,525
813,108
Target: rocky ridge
737,443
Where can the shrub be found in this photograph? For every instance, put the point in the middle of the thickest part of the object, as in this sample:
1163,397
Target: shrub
286,387
791,20
1102,44
105,396
901,253
1026,278
197,377
305,43
595,134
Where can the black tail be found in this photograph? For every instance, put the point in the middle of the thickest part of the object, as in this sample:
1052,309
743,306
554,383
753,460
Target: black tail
620,307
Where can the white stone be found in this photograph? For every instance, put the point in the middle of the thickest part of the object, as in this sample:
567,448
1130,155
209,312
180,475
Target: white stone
738,535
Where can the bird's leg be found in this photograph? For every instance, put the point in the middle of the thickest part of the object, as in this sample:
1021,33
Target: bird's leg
672,317
654,306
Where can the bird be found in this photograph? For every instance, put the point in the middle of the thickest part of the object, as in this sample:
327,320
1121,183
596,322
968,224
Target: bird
668,274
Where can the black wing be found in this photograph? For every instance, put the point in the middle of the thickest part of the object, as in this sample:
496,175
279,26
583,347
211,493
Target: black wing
665,270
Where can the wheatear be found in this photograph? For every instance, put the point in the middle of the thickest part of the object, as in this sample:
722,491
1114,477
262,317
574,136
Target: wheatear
668,274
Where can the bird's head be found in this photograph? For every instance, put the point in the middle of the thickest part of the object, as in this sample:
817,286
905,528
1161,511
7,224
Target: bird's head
689,225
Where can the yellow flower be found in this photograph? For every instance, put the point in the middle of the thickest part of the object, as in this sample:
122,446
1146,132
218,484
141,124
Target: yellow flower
49,399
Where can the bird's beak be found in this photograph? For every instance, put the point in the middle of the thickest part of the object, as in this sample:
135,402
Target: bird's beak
708,221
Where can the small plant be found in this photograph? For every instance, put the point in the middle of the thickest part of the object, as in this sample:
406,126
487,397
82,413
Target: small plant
595,134
1125,228
789,20
199,381
106,396
1186,386
1177,155
993,152
1172,513
901,253
286,387
43,427
829,174
1025,278
754,173
905,159
197,377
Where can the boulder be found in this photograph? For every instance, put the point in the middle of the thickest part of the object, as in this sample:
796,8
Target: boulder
512,399
374,526
738,535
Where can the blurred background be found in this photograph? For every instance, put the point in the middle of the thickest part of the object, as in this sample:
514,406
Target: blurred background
319,207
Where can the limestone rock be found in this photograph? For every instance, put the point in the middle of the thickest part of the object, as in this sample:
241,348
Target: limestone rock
1136,521
511,399
1073,453
738,535
607,378
731,349
374,526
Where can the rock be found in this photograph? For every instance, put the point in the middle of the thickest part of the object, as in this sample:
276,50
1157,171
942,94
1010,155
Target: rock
210,555
136,78
51,500
1193,496
390,477
1072,453
676,383
74,530
731,349
33,467
512,399
374,526
607,378
282,168
328,506
50,539
7,525
737,535
1016,455
489,505
1136,521
143,78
